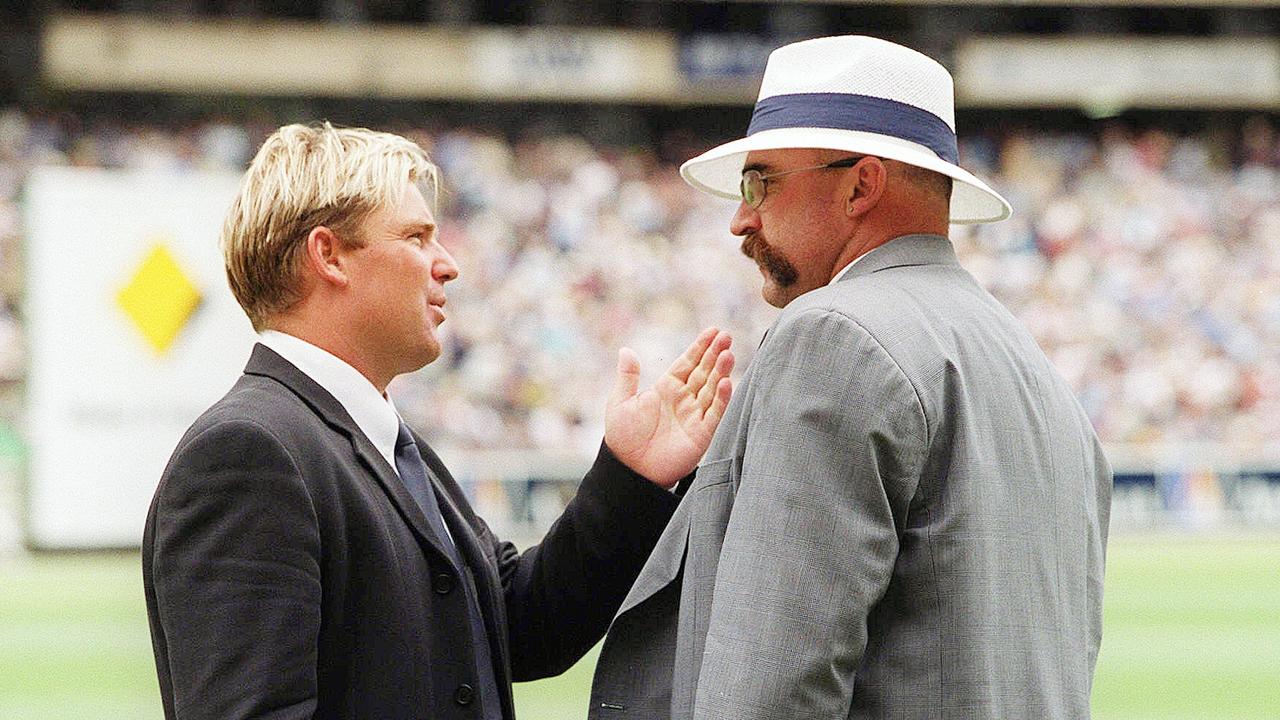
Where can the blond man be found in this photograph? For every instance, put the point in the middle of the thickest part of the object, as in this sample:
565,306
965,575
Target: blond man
309,556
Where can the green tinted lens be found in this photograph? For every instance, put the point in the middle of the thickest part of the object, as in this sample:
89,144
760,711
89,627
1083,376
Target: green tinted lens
752,188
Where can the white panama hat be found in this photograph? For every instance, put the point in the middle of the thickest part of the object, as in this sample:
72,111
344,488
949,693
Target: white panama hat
861,94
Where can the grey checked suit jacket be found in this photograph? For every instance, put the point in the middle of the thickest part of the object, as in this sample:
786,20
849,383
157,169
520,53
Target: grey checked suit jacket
903,515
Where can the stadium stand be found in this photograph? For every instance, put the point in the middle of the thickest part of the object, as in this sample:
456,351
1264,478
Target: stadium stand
1144,254
1157,299
1146,263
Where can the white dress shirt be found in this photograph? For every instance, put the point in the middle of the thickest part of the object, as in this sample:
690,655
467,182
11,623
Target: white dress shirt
373,412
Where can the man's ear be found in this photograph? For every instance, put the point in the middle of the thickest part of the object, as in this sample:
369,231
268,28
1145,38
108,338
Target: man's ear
325,257
870,176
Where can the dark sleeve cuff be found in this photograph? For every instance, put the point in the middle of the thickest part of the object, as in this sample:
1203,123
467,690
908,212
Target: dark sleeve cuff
627,494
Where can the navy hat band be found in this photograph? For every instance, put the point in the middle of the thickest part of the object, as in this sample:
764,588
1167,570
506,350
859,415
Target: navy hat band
844,111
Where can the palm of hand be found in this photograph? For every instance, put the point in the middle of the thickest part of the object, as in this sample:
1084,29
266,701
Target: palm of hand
662,433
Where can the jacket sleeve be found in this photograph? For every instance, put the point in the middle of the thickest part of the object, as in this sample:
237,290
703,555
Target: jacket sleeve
232,563
836,434
562,593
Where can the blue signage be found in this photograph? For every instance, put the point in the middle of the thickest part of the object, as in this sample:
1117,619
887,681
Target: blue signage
725,56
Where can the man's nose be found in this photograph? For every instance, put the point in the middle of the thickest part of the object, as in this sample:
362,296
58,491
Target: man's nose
745,221
445,268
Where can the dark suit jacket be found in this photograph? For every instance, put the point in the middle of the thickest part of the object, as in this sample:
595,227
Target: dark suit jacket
289,573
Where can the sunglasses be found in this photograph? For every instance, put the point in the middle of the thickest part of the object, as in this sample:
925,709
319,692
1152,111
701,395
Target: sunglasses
754,185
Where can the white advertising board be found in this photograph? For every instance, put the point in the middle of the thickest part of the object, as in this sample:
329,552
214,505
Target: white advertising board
132,333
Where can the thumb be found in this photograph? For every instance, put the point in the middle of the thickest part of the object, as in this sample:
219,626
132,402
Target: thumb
628,379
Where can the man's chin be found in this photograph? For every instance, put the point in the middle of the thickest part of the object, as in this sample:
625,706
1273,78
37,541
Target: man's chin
430,352
775,295
779,295
426,353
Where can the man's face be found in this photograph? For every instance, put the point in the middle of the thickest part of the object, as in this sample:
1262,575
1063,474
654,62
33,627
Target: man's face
792,235
397,281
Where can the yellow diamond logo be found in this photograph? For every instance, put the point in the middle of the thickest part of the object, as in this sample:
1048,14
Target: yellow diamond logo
159,299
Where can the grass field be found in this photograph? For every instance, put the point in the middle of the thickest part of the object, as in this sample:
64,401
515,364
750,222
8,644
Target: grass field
1192,631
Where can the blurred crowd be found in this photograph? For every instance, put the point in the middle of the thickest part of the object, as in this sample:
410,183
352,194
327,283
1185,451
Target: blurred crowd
1148,267
1146,263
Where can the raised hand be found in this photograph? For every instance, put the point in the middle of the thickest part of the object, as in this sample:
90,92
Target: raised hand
662,432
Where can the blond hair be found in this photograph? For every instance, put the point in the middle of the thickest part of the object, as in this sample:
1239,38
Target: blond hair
304,177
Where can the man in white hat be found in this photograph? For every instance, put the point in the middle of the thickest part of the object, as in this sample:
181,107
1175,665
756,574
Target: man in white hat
904,513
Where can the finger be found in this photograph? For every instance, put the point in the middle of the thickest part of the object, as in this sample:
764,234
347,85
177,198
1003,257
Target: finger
689,360
724,391
698,378
628,378
723,366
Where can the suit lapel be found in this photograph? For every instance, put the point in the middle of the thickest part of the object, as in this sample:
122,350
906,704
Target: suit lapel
267,363
391,483
667,561
459,522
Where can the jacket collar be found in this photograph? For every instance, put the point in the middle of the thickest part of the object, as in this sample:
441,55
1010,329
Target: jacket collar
905,251
266,362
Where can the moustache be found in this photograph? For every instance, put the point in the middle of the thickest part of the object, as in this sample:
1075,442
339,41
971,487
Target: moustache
770,260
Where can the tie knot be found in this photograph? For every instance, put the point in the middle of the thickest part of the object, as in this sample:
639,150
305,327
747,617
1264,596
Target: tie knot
404,438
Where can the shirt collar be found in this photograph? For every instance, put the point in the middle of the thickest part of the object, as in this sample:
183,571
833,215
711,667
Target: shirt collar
845,269
373,413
